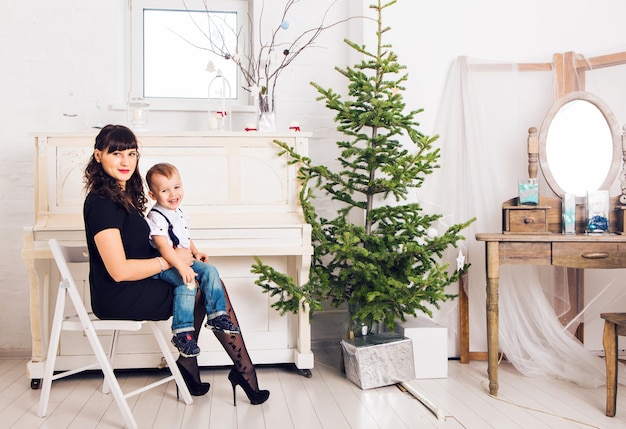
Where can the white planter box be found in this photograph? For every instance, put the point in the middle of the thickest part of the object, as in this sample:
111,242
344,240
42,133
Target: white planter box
430,346
378,360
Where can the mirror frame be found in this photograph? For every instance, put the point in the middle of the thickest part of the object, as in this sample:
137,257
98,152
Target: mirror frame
616,160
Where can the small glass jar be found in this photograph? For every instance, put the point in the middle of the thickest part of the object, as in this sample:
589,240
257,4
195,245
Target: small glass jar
528,192
138,113
568,212
597,212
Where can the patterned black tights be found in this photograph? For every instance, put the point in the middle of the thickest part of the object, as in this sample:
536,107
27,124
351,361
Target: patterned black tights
234,345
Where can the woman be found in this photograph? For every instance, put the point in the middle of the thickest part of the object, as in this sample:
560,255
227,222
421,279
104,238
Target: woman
123,264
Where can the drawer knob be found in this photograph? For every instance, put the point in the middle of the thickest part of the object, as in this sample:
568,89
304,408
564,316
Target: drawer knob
595,255
528,220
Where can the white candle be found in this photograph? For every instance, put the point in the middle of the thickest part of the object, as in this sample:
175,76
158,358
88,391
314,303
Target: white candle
213,125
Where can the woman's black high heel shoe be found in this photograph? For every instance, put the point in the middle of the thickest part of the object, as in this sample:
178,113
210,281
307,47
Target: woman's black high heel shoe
196,387
256,397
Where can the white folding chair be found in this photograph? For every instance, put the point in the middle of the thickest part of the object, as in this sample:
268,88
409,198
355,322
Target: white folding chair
88,323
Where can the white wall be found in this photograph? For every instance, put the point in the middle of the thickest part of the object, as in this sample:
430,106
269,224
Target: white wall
428,36
66,56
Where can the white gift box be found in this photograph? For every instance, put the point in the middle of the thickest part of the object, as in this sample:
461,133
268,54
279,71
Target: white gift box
430,346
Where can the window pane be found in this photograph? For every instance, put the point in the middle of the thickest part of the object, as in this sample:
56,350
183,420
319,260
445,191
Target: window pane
176,54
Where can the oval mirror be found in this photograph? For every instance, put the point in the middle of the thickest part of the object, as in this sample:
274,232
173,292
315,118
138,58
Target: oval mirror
579,145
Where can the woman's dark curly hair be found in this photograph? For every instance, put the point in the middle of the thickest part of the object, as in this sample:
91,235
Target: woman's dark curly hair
110,139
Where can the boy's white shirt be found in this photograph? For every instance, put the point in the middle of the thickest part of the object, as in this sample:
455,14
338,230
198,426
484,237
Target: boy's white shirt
180,221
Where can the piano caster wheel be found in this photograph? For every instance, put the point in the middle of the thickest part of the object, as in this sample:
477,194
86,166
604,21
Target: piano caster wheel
307,373
35,383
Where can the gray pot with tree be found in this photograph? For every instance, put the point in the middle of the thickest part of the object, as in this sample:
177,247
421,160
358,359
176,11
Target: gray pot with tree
390,265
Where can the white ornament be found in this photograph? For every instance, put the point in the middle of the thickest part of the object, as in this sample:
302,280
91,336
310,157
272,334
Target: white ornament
460,261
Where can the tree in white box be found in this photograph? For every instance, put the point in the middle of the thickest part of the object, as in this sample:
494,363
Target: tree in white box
390,265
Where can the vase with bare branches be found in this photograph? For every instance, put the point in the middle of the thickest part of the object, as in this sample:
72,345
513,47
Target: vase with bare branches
262,63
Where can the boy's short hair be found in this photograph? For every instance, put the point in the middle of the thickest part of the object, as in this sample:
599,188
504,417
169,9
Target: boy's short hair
162,168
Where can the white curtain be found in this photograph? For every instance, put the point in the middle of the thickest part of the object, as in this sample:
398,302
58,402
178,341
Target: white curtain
483,124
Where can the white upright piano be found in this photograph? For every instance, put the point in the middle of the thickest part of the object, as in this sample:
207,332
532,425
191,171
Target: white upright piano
243,202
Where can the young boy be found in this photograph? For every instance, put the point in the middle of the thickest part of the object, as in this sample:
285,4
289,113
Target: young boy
169,229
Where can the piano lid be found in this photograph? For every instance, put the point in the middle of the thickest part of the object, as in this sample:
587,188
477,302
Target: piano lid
231,180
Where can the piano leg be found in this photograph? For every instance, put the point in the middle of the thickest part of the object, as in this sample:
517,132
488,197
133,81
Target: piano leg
35,366
304,356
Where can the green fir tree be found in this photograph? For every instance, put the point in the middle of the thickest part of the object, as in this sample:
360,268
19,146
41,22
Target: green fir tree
387,267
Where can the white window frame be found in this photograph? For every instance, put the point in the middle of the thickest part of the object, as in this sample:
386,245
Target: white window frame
134,69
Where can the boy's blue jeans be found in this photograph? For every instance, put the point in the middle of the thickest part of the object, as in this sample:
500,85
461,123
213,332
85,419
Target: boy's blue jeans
185,297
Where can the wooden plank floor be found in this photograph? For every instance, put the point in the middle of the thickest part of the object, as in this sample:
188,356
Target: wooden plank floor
327,400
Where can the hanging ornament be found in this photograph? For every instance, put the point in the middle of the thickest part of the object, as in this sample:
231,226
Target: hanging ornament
460,261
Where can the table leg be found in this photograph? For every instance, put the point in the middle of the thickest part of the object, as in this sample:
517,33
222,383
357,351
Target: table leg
464,320
493,274
609,340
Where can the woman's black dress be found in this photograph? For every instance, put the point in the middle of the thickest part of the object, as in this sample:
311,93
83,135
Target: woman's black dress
147,299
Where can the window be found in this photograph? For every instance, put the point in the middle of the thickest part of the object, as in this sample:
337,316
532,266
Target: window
169,42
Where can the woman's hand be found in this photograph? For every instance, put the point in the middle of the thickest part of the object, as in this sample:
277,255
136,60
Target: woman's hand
185,256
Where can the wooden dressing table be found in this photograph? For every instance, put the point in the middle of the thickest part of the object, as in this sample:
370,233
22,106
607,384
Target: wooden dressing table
545,244
532,235
578,251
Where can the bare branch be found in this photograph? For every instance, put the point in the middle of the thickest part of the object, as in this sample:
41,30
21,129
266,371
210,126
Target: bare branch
260,68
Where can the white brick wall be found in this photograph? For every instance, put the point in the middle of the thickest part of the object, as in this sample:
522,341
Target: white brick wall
66,56
47,51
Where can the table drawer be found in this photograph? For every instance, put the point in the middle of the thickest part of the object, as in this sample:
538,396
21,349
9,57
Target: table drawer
518,220
589,255
525,253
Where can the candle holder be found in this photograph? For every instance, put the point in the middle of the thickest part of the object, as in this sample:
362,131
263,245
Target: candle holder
219,107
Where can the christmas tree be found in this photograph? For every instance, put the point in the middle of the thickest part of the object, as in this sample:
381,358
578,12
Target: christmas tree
391,264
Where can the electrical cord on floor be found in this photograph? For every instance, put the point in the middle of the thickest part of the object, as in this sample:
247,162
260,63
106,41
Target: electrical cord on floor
533,409
483,384
434,408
